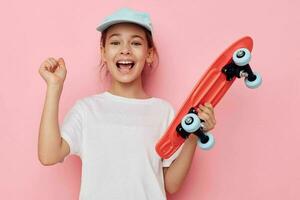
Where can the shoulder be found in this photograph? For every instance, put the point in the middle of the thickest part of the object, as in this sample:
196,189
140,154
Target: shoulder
86,102
165,104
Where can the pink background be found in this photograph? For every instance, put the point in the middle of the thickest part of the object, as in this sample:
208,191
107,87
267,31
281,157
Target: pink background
257,136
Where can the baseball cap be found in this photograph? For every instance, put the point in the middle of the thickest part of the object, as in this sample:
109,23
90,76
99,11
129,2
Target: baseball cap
126,15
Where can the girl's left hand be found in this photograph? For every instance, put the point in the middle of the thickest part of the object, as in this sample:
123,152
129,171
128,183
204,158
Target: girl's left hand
206,113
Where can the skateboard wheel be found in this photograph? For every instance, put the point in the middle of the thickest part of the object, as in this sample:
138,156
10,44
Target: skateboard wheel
209,144
191,122
241,57
254,84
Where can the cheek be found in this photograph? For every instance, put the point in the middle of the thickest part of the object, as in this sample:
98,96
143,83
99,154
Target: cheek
141,53
110,54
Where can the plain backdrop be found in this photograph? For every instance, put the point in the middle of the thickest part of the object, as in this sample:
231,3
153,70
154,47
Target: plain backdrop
256,155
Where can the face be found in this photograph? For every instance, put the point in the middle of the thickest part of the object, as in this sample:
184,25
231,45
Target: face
126,52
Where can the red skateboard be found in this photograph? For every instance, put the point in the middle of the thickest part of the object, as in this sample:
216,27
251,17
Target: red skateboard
231,64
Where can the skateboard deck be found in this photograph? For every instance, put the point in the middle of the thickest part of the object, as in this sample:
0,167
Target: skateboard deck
211,87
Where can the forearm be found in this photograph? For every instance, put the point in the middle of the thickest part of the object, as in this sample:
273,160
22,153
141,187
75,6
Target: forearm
49,141
176,173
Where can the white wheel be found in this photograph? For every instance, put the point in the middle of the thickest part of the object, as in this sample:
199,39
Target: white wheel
191,123
241,56
254,84
209,144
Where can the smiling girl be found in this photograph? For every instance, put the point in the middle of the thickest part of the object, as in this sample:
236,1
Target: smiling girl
114,132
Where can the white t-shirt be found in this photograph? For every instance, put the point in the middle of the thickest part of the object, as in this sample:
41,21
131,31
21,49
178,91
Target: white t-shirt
115,138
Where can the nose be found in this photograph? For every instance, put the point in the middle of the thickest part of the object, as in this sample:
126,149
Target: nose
125,49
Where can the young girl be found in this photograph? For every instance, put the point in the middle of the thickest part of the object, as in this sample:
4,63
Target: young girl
115,132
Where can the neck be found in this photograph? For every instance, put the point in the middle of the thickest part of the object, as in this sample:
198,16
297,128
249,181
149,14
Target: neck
129,90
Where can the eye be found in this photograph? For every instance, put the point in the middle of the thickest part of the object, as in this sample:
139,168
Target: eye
136,43
115,43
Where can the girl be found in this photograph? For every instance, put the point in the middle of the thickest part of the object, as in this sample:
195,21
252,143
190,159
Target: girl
114,132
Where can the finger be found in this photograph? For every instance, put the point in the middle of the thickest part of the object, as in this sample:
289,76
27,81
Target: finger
206,126
49,61
211,109
44,71
202,113
204,116
46,66
208,120
209,106
54,64
207,111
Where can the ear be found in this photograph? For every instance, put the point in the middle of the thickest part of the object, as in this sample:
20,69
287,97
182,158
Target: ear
150,55
102,52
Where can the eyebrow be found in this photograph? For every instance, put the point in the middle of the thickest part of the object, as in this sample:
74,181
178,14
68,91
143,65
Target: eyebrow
118,34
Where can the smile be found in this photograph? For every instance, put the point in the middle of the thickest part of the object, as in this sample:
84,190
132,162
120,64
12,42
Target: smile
124,66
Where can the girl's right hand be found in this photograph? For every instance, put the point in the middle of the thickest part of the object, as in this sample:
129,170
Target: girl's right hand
53,71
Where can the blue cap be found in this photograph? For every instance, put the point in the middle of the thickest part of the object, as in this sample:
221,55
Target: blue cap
126,15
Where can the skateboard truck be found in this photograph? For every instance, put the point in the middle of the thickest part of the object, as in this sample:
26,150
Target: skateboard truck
232,70
192,124
239,67
189,121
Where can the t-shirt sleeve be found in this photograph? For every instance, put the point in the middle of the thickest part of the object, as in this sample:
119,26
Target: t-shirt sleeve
168,162
72,127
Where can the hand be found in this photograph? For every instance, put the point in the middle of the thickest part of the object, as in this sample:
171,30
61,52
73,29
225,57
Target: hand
53,71
206,113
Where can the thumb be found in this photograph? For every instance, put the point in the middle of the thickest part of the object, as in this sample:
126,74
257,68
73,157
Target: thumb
61,63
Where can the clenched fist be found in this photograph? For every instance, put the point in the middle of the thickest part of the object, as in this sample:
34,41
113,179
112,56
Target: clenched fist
53,71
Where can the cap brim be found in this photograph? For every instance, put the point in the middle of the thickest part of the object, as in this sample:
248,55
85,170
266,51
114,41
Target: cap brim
105,25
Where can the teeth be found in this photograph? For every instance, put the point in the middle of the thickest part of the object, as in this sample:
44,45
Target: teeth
125,62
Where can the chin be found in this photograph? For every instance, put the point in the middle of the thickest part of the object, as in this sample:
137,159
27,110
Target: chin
126,79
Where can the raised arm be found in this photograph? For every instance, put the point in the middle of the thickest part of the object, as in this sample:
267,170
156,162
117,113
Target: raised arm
51,147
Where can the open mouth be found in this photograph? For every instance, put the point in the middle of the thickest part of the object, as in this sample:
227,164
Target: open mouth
125,66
